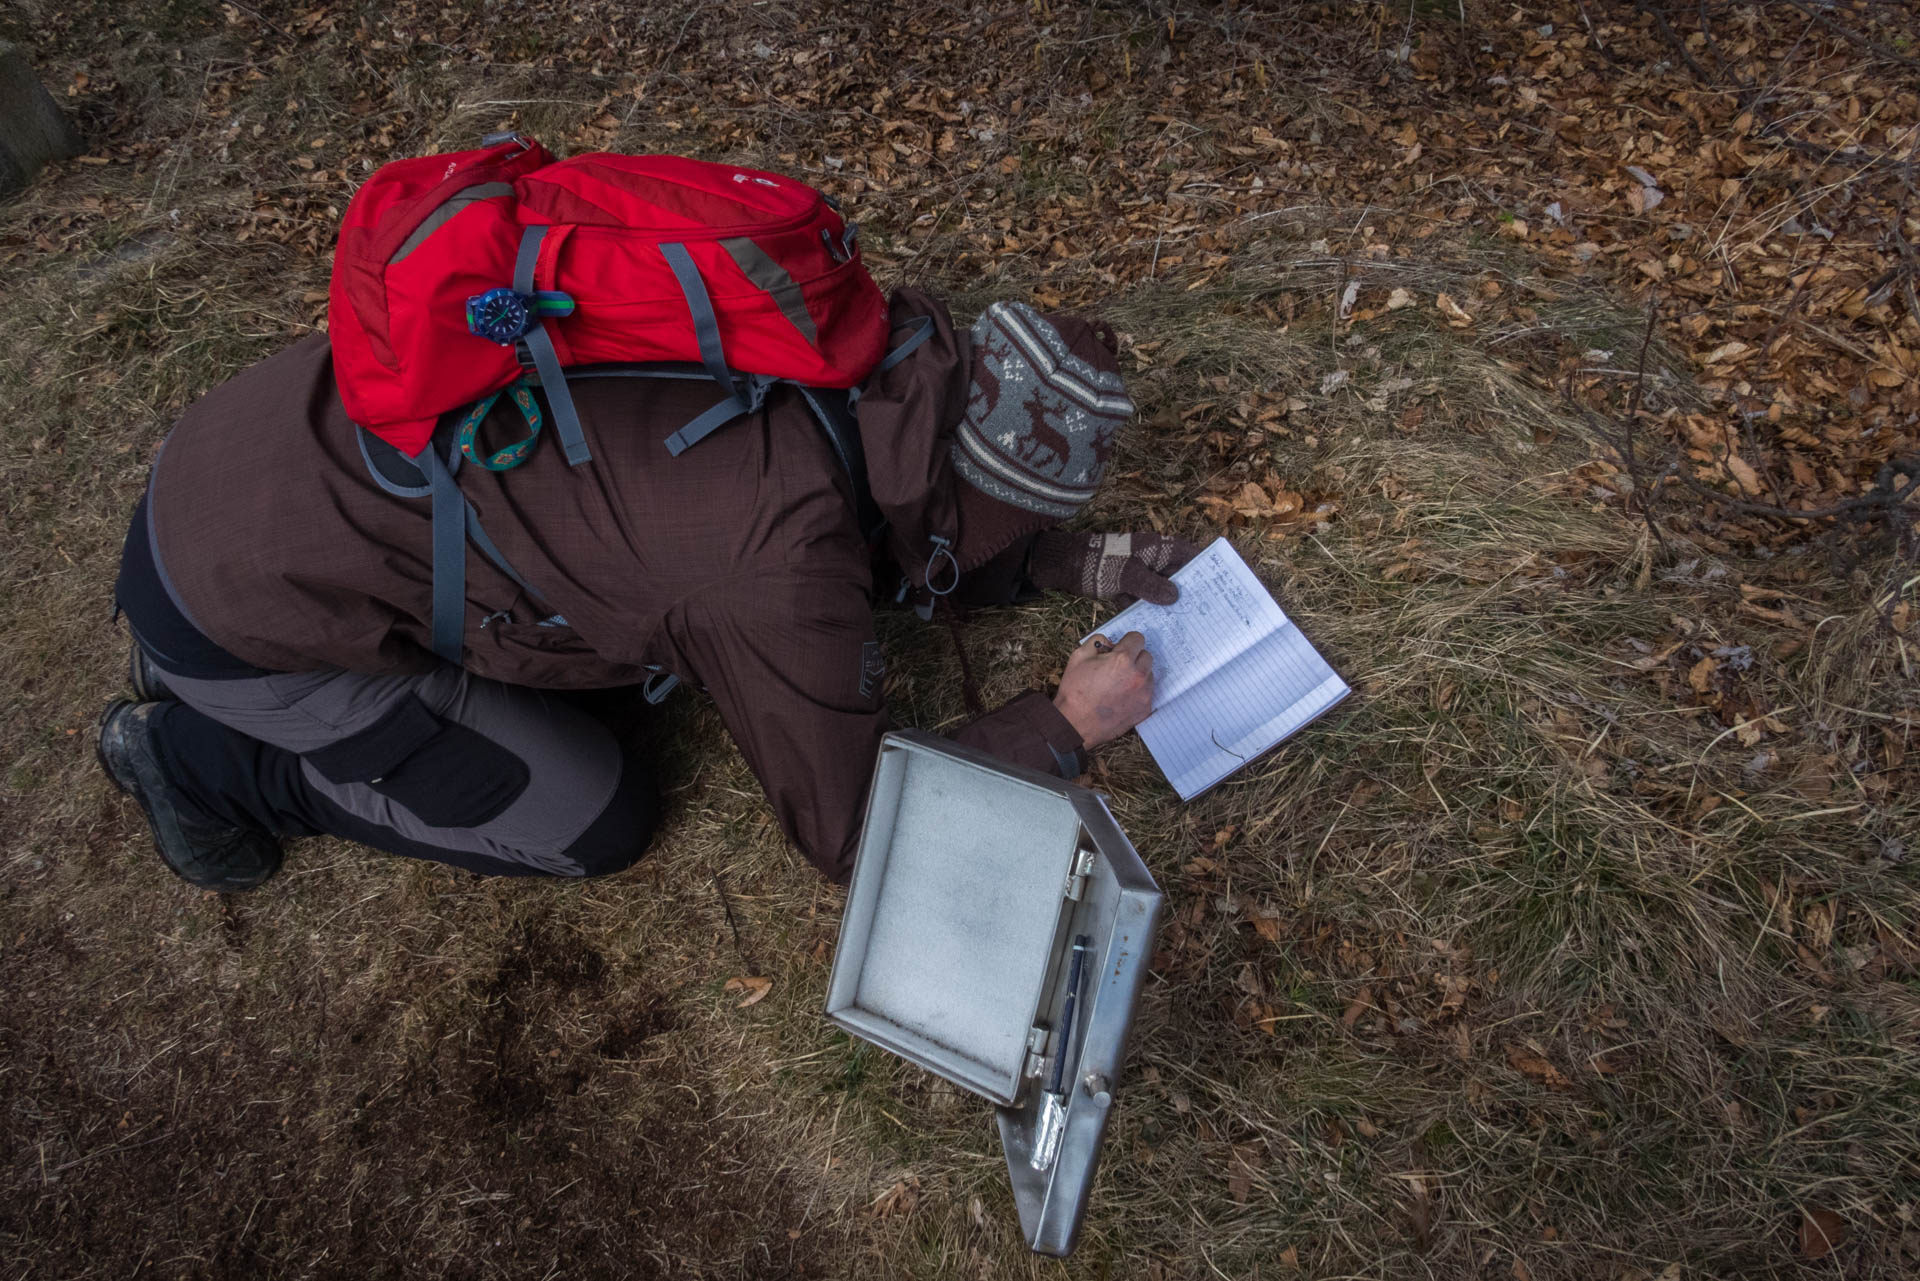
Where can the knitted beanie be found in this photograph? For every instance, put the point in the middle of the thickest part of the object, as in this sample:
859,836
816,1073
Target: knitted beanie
1045,401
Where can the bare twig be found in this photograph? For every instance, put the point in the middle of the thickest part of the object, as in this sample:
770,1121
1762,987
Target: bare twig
1885,505
1644,490
726,905
262,18
1854,37
1883,501
1674,41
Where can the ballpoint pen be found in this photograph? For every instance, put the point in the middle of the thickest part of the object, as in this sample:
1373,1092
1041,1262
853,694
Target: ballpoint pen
1053,1111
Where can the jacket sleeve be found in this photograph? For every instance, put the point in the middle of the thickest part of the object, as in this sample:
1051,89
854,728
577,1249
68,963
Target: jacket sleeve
1028,730
797,675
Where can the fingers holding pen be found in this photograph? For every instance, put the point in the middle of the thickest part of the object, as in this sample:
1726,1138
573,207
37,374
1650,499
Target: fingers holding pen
1133,646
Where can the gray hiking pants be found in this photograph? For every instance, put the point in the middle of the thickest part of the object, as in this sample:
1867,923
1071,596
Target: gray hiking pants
446,765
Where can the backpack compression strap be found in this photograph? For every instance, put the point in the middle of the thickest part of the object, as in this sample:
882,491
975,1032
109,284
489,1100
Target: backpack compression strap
705,333
546,361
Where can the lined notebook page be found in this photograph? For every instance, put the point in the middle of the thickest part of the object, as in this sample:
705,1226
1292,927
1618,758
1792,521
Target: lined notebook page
1222,611
1233,674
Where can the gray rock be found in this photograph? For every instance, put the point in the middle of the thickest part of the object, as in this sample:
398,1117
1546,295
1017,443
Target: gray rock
33,130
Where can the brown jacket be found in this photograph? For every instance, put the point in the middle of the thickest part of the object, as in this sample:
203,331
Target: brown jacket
737,566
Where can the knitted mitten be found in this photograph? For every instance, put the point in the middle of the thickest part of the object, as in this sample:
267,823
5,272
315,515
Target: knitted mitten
1110,567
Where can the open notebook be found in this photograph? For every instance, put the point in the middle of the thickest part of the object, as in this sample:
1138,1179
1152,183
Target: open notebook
1232,674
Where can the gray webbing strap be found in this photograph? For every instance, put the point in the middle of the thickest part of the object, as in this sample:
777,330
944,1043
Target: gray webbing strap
922,330
566,419
494,554
411,480
546,361
527,259
449,609
687,372
719,415
454,520
706,326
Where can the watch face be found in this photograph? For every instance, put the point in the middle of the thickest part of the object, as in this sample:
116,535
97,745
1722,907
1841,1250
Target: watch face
499,315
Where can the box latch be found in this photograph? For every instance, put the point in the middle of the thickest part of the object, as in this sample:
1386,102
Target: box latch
1077,877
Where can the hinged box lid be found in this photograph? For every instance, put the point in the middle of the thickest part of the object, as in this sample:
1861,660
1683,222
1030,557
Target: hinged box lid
974,879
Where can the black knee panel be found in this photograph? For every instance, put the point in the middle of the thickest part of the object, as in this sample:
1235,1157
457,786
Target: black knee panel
616,839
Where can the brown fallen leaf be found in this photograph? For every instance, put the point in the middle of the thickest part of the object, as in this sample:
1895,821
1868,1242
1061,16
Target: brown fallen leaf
1265,923
1252,501
1744,473
1821,1233
1536,1066
1701,676
1419,1212
1240,1177
756,990
898,1199
1361,1004
1457,316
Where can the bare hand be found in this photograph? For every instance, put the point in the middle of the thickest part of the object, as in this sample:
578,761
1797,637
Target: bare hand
1107,689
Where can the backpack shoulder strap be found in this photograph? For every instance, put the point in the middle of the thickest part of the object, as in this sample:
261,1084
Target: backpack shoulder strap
454,523
833,409
392,470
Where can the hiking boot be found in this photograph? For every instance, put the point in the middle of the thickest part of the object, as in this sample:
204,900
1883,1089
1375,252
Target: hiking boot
203,854
148,687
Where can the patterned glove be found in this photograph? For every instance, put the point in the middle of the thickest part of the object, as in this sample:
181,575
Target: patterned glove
1110,567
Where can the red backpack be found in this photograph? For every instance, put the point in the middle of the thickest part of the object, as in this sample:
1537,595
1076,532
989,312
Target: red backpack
457,274
454,273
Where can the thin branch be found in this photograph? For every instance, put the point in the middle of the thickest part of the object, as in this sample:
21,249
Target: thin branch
1673,39
1854,37
257,16
1882,500
1644,491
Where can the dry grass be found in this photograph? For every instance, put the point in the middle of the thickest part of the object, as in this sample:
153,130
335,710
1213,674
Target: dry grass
1518,964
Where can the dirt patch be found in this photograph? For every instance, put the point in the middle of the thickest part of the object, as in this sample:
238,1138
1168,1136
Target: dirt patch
629,1032
226,1139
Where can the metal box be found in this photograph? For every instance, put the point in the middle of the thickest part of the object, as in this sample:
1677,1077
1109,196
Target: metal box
973,883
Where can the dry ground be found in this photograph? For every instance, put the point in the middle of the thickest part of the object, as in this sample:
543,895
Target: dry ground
1579,943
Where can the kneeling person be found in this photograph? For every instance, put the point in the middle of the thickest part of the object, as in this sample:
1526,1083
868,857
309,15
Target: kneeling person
280,596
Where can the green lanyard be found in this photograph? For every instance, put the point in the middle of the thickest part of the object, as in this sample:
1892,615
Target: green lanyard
513,455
